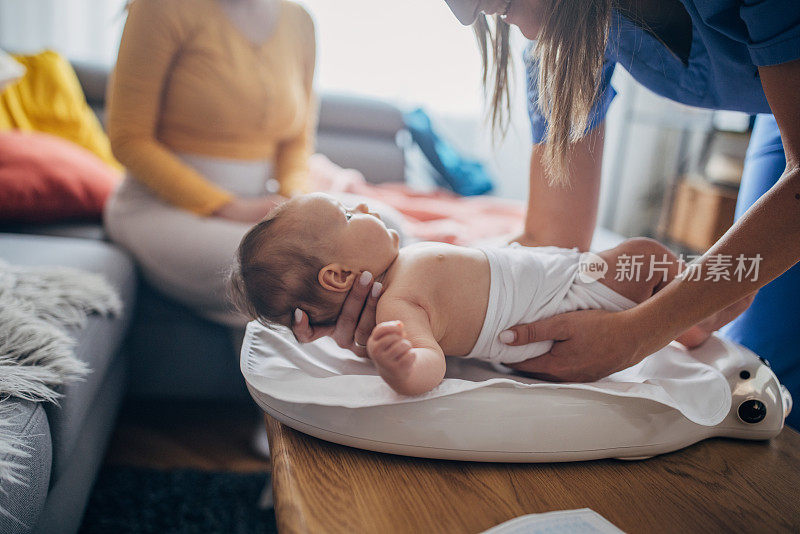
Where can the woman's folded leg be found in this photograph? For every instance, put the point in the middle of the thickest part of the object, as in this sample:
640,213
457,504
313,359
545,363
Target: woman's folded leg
183,255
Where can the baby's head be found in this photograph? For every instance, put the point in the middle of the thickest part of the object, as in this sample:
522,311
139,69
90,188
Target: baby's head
307,254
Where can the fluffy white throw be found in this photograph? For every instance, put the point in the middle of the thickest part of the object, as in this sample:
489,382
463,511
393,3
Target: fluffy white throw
36,354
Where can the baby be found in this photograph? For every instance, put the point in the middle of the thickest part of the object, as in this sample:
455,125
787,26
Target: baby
437,299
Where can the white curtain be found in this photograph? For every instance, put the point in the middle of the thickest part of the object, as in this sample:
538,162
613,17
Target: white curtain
85,30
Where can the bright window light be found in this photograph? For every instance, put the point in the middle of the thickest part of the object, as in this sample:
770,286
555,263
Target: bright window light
413,52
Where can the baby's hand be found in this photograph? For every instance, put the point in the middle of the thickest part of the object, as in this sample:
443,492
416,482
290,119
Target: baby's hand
389,349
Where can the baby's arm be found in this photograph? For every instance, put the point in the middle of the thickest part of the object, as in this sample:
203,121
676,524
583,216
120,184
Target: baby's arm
404,349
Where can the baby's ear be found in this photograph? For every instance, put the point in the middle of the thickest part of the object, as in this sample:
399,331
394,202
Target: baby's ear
335,277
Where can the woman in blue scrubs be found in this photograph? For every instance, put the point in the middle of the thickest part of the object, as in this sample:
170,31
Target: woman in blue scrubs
741,55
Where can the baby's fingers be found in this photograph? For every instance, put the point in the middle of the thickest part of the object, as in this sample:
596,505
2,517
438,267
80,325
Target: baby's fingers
382,345
387,328
397,350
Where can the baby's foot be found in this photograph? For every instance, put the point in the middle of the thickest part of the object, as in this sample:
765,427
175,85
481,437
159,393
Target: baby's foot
700,332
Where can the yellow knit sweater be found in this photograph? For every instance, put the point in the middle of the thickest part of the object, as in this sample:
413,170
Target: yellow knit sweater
188,81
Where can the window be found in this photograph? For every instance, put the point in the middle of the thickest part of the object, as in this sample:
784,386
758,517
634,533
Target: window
84,30
409,51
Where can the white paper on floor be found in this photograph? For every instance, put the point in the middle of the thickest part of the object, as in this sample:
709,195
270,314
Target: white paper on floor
582,521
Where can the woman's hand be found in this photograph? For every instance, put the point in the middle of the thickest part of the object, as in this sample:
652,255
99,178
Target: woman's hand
355,323
249,210
589,345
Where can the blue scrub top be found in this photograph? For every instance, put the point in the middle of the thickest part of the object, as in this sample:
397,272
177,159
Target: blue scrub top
730,40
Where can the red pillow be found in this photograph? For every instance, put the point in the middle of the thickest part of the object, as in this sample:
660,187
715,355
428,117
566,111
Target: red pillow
44,178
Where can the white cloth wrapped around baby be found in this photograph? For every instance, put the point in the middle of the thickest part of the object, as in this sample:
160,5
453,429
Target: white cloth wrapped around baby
533,283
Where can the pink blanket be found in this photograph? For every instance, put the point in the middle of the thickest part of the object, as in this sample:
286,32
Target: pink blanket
435,216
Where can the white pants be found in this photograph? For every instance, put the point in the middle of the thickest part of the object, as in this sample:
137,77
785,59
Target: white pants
184,255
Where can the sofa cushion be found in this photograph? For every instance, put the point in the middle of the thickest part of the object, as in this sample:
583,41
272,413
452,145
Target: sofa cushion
83,230
97,342
44,178
68,496
93,78
379,159
366,117
24,502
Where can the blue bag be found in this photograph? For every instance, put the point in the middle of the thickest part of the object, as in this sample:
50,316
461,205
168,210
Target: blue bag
464,176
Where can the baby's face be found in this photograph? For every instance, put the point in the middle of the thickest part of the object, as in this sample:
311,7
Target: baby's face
360,239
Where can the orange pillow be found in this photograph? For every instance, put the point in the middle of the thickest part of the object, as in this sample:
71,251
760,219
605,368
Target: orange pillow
44,178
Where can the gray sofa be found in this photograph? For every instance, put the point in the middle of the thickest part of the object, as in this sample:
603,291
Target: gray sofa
67,442
157,348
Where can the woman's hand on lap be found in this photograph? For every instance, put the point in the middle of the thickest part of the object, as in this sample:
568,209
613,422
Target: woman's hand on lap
249,210
589,345
355,323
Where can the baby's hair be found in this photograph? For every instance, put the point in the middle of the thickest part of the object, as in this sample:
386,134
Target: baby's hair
276,272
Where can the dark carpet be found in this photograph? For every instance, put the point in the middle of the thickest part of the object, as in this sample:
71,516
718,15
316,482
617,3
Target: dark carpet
135,500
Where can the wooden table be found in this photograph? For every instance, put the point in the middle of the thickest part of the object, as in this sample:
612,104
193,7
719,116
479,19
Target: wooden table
718,485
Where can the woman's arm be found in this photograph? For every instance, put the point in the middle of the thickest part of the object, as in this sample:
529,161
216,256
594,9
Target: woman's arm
152,37
593,344
293,154
565,216
771,227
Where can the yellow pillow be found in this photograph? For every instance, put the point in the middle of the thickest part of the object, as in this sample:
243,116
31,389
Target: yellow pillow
49,99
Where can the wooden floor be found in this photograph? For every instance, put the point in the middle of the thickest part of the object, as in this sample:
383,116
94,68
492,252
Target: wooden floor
181,435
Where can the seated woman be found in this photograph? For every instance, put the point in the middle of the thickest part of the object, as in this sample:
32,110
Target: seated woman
211,110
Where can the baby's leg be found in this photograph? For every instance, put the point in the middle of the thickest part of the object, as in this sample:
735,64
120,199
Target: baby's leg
638,268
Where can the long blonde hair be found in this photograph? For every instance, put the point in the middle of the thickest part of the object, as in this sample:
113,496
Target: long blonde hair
570,51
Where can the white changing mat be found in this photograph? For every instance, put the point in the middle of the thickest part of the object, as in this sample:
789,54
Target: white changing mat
321,373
